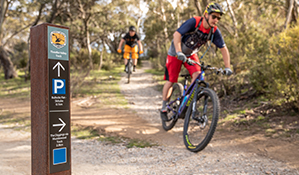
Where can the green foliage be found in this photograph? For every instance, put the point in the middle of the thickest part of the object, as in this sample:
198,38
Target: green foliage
79,58
254,40
286,65
20,57
277,76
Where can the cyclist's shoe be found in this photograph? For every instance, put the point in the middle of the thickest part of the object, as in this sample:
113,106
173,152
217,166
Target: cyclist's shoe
134,69
163,115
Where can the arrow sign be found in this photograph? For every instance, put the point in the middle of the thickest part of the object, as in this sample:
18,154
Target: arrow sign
62,124
59,65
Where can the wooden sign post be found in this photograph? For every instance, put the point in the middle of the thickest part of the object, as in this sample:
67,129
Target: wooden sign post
50,100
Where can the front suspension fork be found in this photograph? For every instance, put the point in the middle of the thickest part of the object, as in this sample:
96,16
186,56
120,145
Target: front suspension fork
203,118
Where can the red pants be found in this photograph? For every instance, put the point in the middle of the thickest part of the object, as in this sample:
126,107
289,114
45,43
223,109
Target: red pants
173,67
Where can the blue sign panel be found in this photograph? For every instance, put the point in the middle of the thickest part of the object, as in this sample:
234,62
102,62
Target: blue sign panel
58,86
59,156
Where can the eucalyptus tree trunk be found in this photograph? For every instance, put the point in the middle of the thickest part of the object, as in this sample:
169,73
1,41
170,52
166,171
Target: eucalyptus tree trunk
205,3
89,48
198,7
9,70
231,11
165,30
53,12
292,13
102,54
37,19
85,19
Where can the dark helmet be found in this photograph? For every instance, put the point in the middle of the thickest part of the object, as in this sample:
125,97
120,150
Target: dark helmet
132,28
214,8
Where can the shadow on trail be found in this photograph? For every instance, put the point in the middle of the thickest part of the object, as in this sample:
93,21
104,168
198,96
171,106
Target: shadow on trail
127,124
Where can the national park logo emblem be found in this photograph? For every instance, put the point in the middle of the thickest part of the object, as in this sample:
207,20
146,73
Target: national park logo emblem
58,39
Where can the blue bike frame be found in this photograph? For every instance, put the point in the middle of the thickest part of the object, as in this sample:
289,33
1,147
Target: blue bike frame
192,90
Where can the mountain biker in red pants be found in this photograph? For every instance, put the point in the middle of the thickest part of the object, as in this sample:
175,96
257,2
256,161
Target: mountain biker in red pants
131,39
187,40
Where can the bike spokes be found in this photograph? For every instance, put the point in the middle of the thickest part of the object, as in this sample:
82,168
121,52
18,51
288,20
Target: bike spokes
200,124
173,107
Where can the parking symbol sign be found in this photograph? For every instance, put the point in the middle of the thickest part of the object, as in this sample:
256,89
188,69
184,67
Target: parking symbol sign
58,86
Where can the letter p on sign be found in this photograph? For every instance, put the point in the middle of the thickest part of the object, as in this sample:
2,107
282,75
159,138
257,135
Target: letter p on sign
58,86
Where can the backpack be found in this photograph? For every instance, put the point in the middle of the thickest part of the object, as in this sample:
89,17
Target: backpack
198,23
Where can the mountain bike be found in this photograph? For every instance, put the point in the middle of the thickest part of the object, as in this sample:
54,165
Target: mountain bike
198,105
129,68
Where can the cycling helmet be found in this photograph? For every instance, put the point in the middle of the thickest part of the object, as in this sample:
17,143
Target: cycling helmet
132,28
214,8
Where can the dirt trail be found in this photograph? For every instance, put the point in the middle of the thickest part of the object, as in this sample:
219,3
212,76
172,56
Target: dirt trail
144,123
141,121
15,146
228,153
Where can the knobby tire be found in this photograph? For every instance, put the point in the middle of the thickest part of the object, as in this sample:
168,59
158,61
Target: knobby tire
177,92
196,138
129,72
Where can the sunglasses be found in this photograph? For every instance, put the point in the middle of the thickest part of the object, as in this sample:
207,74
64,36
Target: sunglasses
214,16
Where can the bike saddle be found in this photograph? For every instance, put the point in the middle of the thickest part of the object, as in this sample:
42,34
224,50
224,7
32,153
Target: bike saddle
185,75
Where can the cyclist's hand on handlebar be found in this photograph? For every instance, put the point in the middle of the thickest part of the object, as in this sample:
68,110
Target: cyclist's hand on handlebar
228,71
141,52
119,50
189,61
181,56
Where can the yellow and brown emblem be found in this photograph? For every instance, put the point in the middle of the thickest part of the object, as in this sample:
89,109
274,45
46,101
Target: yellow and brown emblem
58,39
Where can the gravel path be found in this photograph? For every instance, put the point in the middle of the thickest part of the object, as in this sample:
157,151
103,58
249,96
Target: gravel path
90,157
117,159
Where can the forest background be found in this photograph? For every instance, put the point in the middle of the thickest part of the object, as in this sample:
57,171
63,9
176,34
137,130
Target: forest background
262,37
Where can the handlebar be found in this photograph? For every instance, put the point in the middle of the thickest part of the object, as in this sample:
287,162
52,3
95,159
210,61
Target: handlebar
208,67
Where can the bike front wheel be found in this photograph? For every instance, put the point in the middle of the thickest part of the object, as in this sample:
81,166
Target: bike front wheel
201,120
177,92
129,70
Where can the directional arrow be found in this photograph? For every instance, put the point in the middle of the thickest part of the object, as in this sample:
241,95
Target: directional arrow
59,66
62,124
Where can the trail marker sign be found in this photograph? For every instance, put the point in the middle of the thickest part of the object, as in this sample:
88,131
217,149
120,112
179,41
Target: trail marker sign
50,100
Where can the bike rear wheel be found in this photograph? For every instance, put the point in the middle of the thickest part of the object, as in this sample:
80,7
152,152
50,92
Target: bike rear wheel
177,92
199,128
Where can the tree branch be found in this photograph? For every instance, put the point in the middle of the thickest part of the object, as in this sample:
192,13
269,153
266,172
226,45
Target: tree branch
233,18
198,7
289,14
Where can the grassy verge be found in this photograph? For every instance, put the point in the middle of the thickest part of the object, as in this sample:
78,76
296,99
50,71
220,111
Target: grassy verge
15,88
263,119
16,121
18,90
158,77
100,84
81,132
